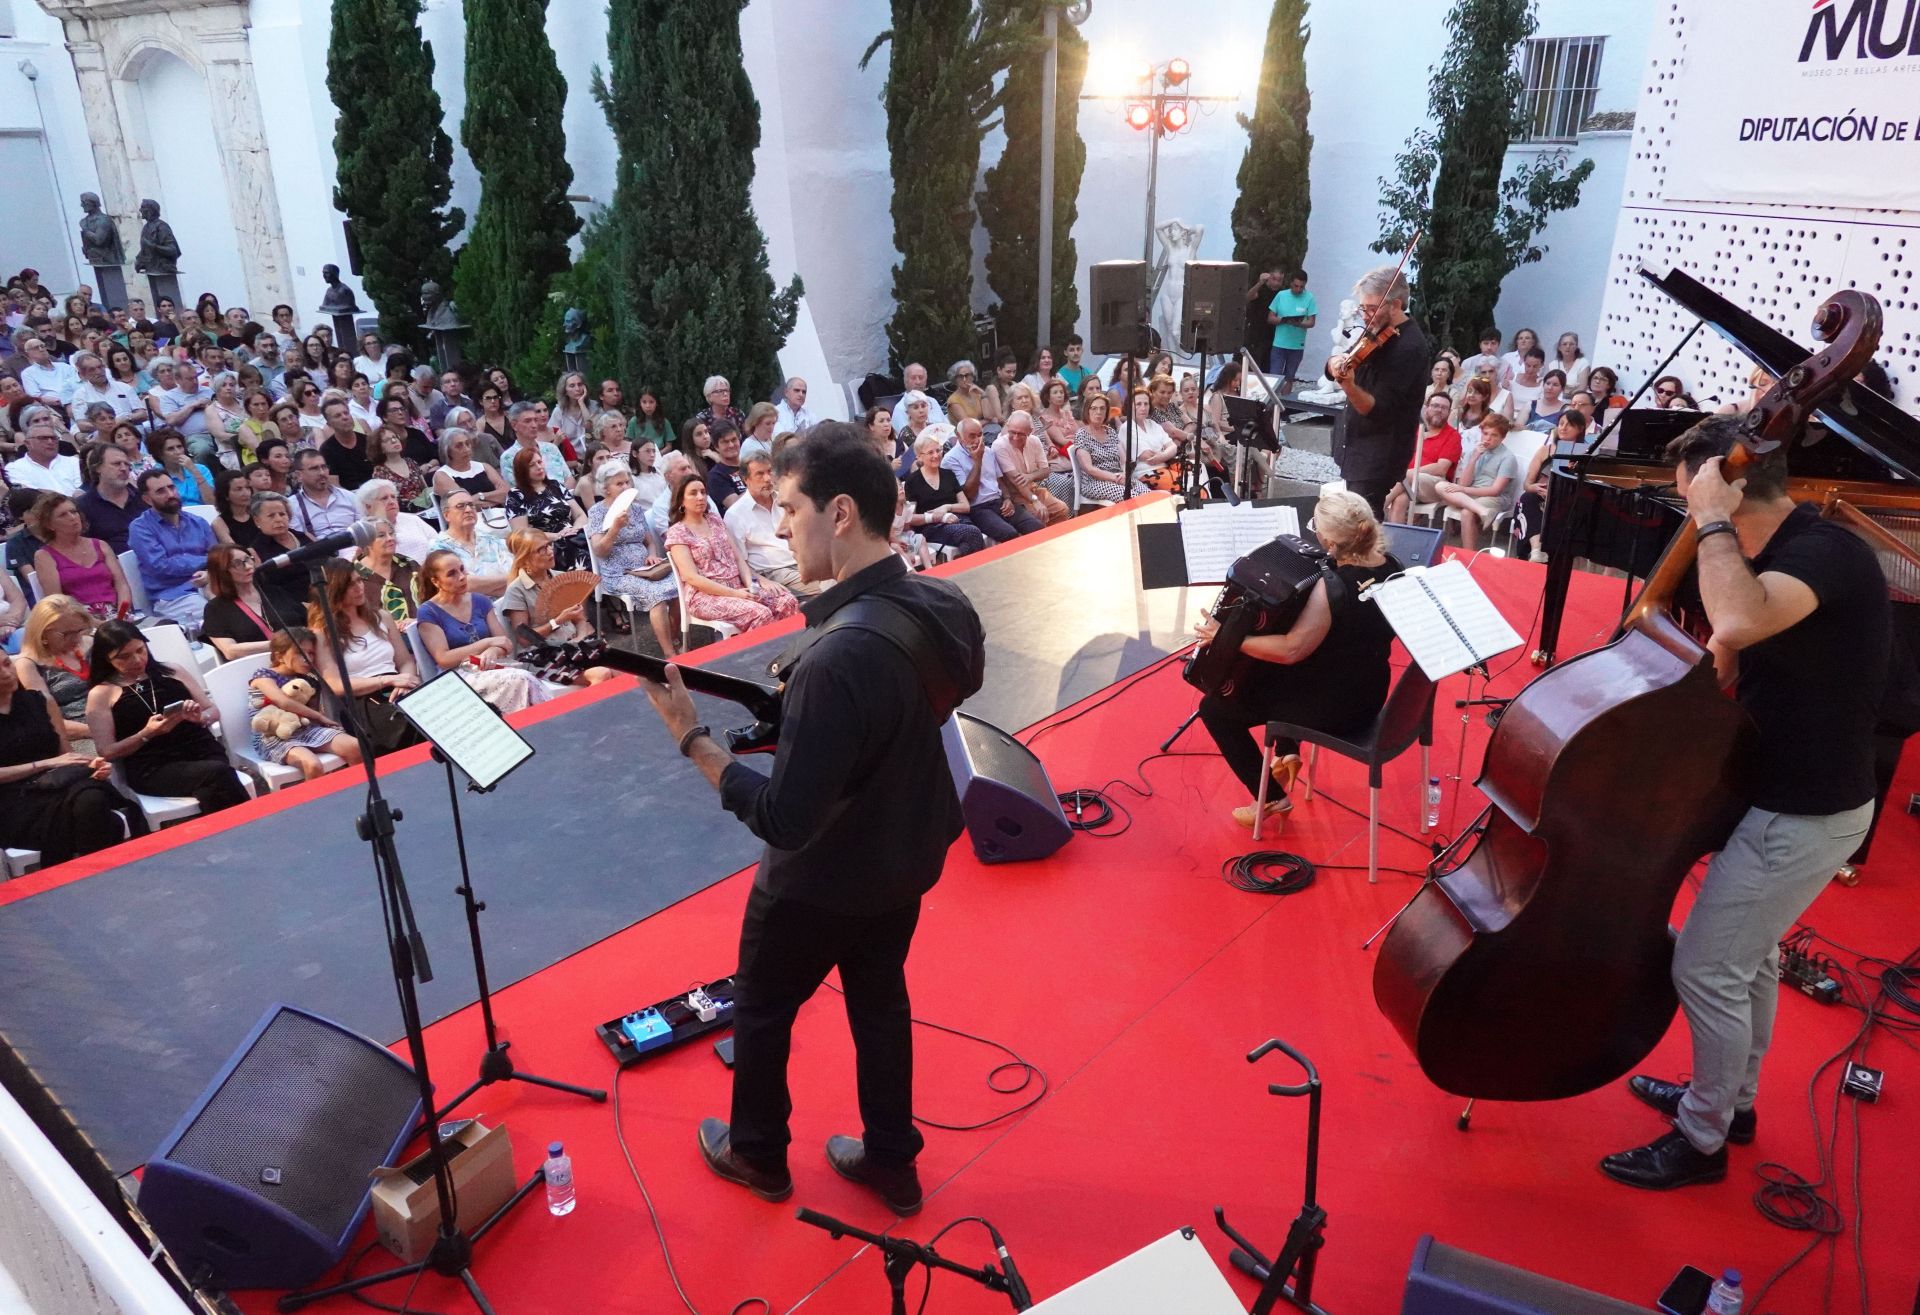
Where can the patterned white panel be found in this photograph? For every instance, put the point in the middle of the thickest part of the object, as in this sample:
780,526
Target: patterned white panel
1779,262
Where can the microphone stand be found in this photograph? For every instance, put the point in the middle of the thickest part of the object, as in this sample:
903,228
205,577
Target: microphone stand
902,1254
495,1065
452,1252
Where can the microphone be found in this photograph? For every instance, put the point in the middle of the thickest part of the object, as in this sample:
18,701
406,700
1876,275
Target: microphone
1016,1287
357,535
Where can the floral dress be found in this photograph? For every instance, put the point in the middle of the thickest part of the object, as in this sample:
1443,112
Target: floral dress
1105,450
551,512
309,735
714,557
631,547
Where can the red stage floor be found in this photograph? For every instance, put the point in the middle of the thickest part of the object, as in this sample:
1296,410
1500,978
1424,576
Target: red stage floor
1137,979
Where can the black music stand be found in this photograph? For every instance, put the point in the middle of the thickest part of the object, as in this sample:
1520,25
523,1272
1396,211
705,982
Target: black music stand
464,730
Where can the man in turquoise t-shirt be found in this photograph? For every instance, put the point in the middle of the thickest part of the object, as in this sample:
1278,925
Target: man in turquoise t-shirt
1291,312
1073,373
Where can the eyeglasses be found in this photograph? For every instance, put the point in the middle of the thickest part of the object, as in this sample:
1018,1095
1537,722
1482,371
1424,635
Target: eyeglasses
1666,392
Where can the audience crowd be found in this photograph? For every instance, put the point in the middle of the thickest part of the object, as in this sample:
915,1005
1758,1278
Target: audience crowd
156,461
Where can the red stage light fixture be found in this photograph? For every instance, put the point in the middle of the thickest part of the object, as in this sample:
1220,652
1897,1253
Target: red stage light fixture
1139,115
1177,72
1177,117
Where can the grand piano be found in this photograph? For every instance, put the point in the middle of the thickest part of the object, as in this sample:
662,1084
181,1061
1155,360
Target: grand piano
1861,463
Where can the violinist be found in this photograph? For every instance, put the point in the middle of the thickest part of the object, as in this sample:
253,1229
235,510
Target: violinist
1801,626
1385,378
1328,670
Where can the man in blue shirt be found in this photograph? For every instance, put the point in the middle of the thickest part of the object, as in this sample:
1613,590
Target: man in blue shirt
172,552
1291,313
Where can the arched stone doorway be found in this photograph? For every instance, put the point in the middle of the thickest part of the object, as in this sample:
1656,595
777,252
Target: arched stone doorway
174,114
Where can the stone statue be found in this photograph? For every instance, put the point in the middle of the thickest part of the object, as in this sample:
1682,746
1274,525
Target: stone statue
442,315
99,238
338,298
159,249
579,337
1179,243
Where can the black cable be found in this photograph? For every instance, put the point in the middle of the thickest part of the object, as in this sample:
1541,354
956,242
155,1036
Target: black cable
404,1308
1028,1072
1092,810
1255,872
620,1135
1111,694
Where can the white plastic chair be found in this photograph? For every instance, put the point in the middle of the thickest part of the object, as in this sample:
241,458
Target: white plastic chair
203,511
161,809
31,579
227,685
603,595
130,567
18,862
421,656
168,643
721,629
1080,501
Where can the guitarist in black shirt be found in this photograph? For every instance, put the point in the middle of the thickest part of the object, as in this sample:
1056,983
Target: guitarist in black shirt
857,816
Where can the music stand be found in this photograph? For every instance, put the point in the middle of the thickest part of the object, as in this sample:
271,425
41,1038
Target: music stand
467,732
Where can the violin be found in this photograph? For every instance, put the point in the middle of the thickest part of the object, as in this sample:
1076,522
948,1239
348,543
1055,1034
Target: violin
1539,968
1376,334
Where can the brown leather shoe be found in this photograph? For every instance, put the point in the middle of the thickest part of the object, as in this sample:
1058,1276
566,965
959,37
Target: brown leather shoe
716,1148
897,1185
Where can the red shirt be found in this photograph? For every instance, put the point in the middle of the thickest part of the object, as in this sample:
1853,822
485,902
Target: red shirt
1444,445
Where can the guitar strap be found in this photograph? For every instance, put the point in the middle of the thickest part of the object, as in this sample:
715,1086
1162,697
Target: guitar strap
898,627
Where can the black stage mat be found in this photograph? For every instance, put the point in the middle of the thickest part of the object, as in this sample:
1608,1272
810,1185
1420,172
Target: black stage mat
127,990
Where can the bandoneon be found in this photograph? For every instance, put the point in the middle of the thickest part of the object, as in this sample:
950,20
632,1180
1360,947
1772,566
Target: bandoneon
1265,593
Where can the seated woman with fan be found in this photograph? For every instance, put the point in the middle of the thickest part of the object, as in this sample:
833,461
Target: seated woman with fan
1329,670
538,598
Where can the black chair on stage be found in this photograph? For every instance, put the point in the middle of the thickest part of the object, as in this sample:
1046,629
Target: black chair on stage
1406,717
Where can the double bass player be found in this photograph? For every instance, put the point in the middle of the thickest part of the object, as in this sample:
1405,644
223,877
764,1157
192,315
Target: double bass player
1800,618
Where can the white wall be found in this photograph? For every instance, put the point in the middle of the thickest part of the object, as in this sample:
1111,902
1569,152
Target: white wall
50,243
172,98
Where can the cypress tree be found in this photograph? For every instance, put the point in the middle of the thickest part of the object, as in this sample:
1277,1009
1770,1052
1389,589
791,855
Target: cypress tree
691,295
1009,201
512,131
940,97
394,158
1480,227
1270,214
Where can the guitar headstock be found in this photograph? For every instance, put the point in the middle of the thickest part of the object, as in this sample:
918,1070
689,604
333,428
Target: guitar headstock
1849,323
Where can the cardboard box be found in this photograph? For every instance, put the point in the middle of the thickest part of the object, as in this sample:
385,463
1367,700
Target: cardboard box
406,1208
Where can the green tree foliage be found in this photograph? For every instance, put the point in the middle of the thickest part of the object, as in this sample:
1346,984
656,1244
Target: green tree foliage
512,131
690,292
587,285
940,96
394,158
1270,213
1009,204
1480,227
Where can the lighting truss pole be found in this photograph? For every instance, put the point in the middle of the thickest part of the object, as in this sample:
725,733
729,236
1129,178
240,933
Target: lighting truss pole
1160,105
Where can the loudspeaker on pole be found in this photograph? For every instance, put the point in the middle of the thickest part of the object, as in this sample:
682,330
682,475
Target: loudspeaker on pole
1119,291
1213,316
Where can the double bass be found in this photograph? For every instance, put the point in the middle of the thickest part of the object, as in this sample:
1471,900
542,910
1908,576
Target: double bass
1540,967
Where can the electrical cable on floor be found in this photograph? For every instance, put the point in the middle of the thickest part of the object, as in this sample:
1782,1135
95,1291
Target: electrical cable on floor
406,1306
993,1235
620,1135
1110,695
1028,1073
1268,872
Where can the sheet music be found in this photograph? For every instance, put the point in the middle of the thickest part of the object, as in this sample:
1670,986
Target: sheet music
465,728
1444,618
1219,534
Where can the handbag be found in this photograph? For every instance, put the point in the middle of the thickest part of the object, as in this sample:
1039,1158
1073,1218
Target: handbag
387,728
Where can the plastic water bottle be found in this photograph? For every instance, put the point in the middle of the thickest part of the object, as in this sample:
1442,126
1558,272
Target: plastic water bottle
560,1180
1433,802
1726,1297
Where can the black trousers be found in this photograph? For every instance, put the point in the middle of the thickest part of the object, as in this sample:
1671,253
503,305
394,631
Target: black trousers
1375,492
210,780
1229,720
786,950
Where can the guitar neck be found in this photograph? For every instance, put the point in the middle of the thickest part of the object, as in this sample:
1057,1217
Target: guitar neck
763,701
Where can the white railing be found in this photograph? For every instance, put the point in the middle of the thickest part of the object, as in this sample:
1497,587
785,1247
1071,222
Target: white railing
66,1254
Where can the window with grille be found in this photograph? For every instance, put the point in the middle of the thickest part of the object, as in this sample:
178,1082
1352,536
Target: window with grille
1562,76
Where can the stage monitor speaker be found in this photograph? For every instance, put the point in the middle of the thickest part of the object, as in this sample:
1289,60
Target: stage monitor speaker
1119,290
1445,1281
1213,310
1011,810
265,1182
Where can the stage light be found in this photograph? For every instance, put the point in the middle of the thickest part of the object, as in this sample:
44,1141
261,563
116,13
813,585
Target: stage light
1144,73
1177,116
1139,115
1177,72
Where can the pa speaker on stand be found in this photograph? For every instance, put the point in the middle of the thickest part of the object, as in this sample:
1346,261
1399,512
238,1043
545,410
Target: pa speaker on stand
1119,291
1213,311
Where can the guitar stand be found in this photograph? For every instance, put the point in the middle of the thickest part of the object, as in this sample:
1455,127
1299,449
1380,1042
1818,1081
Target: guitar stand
1288,1275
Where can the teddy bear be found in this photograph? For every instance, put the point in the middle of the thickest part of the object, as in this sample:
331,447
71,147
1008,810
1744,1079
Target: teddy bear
278,722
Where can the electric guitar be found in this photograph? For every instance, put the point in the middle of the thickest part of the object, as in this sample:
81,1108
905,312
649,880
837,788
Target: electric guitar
564,663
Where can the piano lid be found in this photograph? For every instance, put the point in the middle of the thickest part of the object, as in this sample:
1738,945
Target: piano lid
1864,418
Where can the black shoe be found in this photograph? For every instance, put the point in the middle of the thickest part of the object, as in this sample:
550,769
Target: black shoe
898,1186
1665,1097
716,1149
1668,1163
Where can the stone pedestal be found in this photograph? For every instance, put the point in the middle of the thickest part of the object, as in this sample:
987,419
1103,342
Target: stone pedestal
110,286
163,285
446,348
345,336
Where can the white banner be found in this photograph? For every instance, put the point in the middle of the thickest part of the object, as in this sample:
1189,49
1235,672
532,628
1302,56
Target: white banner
1799,102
